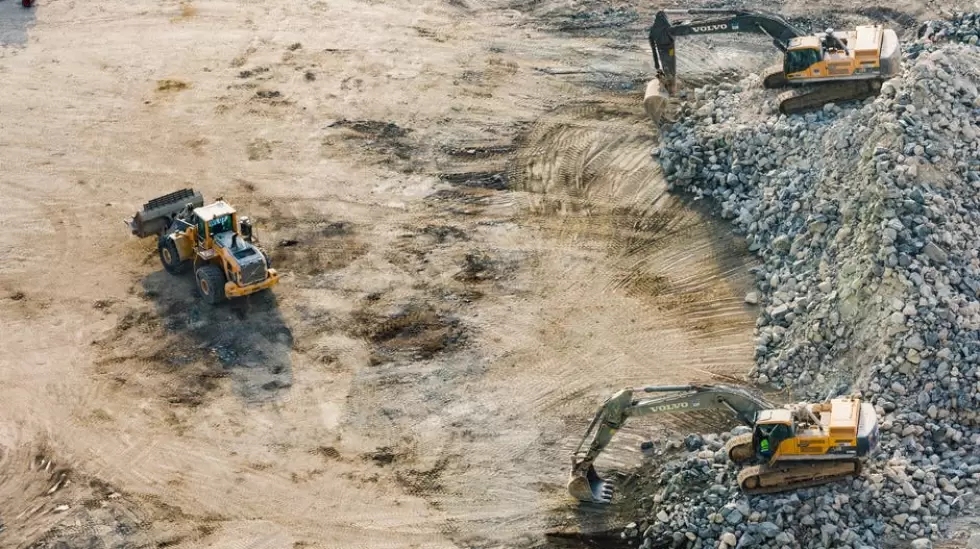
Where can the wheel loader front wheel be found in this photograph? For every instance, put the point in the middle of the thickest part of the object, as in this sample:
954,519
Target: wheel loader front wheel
170,257
211,283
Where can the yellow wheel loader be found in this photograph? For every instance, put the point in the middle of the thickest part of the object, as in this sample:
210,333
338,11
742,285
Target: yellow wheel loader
213,240
816,69
789,447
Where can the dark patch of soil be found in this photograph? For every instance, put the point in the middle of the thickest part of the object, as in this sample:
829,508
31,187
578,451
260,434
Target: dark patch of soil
422,481
382,456
374,128
416,331
312,247
474,153
253,72
478,267
486,180
444,233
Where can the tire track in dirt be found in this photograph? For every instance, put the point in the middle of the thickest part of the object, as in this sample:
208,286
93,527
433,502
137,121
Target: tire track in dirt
676,279
664,250
619,284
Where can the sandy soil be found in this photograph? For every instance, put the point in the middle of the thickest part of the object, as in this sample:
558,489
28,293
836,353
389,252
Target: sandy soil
476,245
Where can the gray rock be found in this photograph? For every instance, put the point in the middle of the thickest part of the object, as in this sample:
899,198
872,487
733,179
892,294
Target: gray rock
770,529
693,442
781,243
779,311
921,543
827,533
935,253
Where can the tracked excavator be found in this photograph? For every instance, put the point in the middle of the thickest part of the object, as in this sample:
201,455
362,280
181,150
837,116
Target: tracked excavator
817,69
789,447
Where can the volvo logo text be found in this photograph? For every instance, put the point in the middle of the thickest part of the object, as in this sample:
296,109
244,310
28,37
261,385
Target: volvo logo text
669,407
706,28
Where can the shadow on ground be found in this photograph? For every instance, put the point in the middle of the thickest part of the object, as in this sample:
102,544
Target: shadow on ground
245,339
15,19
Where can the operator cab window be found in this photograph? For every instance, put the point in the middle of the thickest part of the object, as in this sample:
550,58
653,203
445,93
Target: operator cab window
200,228
781,432
220,224
800,60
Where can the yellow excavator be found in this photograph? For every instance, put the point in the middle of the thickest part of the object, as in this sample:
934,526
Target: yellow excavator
817,68
789,447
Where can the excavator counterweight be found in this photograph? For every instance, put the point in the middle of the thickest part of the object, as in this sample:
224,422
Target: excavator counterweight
789,447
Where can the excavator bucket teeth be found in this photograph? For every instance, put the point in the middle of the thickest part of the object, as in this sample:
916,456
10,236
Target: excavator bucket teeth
591,488
659,105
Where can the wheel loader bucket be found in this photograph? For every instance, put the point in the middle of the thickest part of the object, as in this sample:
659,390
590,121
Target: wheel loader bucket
157,214
658,103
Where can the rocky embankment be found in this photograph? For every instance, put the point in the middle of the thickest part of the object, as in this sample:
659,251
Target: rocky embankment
866,218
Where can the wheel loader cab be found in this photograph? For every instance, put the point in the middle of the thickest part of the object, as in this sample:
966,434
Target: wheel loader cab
214,219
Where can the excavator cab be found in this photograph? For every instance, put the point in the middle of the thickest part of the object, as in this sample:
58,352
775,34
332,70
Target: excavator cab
801,59
772,427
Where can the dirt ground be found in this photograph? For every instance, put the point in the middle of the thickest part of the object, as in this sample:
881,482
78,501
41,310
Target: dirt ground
476,244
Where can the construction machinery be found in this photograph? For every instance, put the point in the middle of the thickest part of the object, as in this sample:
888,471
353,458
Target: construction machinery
817,68
789,447
213,240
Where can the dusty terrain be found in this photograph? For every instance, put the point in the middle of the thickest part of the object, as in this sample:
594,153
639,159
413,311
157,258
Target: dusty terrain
477,248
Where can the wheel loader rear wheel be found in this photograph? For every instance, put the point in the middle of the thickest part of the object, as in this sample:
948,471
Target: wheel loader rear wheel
170,257
211,283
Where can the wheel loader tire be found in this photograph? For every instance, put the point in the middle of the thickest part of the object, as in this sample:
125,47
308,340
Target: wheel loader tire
211,283
170,257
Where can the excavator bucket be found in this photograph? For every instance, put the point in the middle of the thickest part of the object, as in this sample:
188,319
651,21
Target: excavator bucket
587,486
660,106
157,214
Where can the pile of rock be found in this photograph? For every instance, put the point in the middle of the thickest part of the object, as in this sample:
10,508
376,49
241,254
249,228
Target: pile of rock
866,218
963,27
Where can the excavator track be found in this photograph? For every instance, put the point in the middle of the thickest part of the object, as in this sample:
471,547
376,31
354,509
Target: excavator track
814,97
766,479
773,77
739,448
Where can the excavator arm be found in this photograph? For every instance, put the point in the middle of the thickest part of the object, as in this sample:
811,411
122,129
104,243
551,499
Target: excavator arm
663,32
586,485
658,99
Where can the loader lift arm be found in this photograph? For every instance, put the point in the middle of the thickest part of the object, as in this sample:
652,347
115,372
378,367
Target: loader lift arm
586,485
663,32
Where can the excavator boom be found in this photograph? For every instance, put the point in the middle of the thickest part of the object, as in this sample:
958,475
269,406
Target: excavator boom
657,100
663,32
586,485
